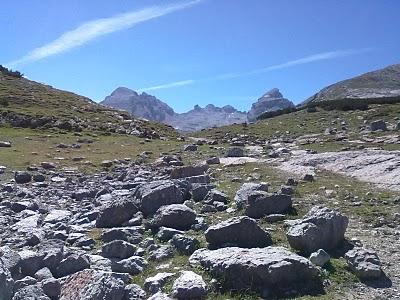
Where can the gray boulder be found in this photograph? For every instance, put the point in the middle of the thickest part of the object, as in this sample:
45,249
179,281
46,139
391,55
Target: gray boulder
165,233
6,283
321,228
51,287
378,125
274,268
72,264
200,191
216,196
132,235
364,263
177,216
261,203
238,231
234,152
92,284
22,177
118,249
151,196
31,262
185,244
161,253
31,292
132,265
155,283
134,292
115,213
11,260
189,285
319,258
188,171
246,189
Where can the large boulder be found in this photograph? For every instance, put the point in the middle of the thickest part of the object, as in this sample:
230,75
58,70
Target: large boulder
132,265
115,213
151,196
185,244
177,216
11,260
321,228
234,152
364,263
260,203
274,268
189,286
246,189
34,292
22,177
378,125
71,264
6,283
92,284
118,249
188,171
238,231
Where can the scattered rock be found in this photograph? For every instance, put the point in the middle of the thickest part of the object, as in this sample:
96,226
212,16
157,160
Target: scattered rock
115,213
118,249
256,269
321,228
22,177
92,284
364,263
189,285
234,152
151,196
177,216
319,258
378,125
185,244
238,231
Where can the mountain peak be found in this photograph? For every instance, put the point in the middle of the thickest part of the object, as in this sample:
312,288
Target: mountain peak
273,93
270,101
121,91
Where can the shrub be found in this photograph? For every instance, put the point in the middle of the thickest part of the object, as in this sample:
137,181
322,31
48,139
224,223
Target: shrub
10,72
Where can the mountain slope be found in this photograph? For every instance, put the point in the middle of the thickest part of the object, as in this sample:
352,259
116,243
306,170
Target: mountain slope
26,103
373,87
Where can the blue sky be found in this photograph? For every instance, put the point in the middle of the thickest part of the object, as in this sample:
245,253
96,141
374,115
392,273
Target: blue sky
201,51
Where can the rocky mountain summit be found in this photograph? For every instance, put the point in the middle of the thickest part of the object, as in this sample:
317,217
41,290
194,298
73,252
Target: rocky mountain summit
139,105
271,101
380,86
151,108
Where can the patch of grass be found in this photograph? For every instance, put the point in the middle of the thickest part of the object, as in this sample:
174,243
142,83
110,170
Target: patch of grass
31,146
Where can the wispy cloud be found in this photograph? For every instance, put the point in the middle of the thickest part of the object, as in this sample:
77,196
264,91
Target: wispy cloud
168,85
91,30
301,61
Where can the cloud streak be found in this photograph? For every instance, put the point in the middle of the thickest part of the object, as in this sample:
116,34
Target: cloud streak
301,61
91,30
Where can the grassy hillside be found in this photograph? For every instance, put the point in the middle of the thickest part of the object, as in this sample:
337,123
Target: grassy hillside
303,123
25,103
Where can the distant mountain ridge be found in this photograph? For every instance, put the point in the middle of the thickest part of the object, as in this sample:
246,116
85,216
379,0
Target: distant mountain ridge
150,108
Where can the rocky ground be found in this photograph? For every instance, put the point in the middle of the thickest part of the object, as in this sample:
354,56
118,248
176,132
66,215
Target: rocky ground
239,221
